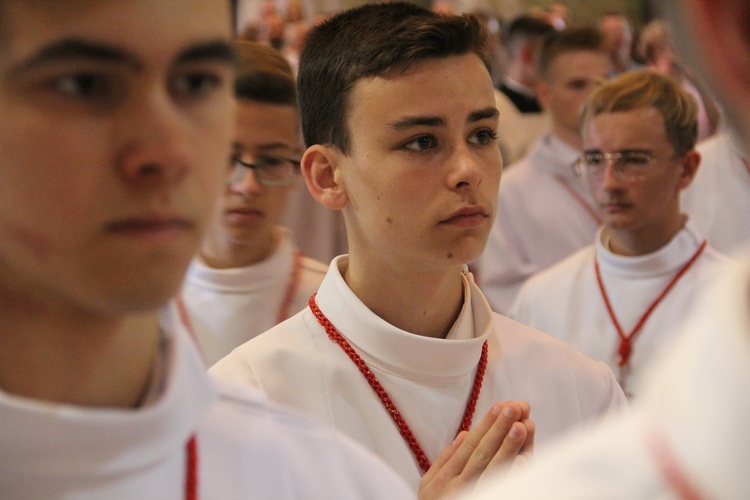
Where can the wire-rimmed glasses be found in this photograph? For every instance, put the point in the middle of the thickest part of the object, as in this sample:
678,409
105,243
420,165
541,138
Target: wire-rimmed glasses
269,170
631,165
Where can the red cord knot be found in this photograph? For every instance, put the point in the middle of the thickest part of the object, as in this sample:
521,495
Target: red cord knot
625,349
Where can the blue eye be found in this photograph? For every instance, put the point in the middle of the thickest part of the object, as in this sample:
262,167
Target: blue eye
593,159
634,158
483,137
196,84
83,85
421,143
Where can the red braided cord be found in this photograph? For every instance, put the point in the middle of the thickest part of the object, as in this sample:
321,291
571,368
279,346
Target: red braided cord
390,407
191,469
626,346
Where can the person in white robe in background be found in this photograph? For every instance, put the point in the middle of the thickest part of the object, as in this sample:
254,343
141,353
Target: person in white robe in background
622,299
412,161
521,120
687,437
719,197
545,212
249,275
115,117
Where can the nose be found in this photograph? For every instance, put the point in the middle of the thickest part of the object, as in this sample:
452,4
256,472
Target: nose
156,147
248,185
611,176
467,168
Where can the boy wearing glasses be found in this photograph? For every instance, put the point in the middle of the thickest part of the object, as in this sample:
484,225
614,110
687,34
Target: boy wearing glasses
249,275
620,299
544,212
398,348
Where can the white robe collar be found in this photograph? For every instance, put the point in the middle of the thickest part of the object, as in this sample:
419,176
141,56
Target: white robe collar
57,440
666,260
412,355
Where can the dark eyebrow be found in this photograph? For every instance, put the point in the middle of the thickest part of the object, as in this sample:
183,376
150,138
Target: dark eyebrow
621,151
483,115
82,50
636,150
434,121
75,49
217,51
417,121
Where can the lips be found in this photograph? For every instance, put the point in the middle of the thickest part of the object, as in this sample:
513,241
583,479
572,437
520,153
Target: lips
151,224
244,211
243,215
153,229
467,216
615,206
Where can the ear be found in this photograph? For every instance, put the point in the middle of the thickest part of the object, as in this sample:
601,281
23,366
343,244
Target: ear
527,54
689,167
320,169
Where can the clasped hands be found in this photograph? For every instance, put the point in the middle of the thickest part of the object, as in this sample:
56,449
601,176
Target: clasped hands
503,438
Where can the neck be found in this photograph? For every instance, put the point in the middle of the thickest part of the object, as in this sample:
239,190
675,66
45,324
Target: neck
72,357
570,137
644,241
425,303
227,254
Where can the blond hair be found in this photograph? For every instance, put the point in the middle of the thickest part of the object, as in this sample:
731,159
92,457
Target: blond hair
648,89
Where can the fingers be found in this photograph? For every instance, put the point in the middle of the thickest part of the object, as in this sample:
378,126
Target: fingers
443,458
509,448
528,447
495,440
504,433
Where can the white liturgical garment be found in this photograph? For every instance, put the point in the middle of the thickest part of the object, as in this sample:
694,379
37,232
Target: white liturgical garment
718,199
517,131
228,307
545,213
246,448
686,435
566,302
428,379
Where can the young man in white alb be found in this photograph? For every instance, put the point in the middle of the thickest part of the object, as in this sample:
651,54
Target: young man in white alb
521,120
621,299
399,348
687,436
115,116
249,274
545,212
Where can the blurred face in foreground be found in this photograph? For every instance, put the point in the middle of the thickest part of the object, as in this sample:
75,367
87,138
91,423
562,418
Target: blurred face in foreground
117,123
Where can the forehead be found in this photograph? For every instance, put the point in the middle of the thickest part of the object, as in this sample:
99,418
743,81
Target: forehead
574,63
448,87
637,128
150,28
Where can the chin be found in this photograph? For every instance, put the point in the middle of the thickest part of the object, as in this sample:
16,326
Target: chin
143,298
466,252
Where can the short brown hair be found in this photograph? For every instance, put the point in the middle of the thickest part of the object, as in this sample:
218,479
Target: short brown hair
368,41
649,89
570,40
264,75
